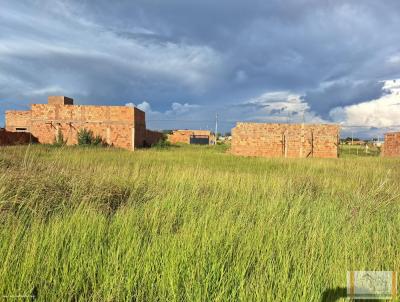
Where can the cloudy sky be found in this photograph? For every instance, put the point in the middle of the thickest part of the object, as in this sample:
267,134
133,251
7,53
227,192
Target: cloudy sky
184,61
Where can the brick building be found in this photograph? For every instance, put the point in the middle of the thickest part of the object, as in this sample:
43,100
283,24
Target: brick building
203,137
14,138
119,126
285,140
391,146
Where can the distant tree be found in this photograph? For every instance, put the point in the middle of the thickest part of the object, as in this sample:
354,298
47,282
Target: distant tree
349,139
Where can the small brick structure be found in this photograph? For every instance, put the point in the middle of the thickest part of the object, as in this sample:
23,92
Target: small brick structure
59,100
18,120
391,146
190,136
153,137
119,126
285,140
8,138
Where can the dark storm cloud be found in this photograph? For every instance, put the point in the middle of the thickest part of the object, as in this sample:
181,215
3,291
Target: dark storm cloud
212,53
342,93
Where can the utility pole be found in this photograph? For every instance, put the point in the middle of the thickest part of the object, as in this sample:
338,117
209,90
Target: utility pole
302,135
352,137
216,127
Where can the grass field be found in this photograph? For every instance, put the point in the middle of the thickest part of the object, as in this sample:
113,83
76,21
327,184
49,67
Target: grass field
191,224
357,151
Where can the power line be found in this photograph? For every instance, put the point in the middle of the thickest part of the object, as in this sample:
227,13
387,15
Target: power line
216,128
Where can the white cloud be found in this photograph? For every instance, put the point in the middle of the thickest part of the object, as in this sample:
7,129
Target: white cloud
144,106
50,90
280,106
392,86
394,59
173,117
382,112
178,108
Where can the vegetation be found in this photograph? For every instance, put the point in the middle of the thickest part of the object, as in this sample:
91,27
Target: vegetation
86,138
191,223
163,143
59,139
349,139
359,150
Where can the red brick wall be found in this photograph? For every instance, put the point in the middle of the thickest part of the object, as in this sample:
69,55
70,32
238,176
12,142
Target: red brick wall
153,137
60,100
117,125
183,136
15,138
113,123
179,137
285,140
140,128
391,147
18,119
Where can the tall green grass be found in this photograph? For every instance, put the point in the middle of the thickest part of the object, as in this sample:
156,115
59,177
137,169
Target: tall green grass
191,224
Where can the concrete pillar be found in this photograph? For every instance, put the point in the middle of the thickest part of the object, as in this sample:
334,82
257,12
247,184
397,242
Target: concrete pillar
57,132
286,142
108,136
302,141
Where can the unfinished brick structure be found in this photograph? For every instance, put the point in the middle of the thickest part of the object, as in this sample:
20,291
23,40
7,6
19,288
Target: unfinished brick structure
391,147
120,126
285,140
18,121
14,138
190,136
152,137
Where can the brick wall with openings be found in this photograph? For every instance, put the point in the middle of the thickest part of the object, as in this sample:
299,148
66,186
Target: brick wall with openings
18,120
285,140
113,123
391,147
183,136
119,126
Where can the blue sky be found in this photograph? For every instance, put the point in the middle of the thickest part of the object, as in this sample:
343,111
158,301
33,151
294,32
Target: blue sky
184,61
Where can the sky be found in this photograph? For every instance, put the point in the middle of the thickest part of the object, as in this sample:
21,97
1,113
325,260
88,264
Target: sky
183,62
